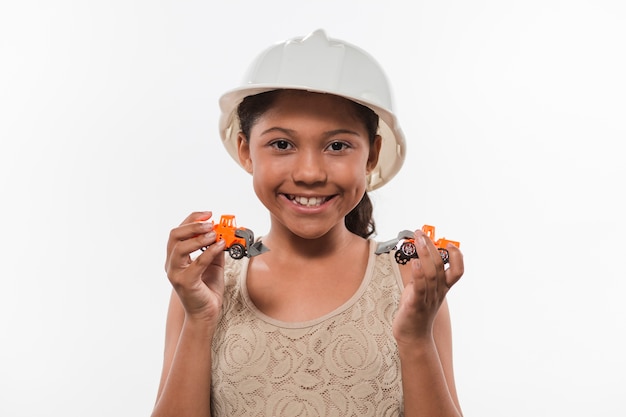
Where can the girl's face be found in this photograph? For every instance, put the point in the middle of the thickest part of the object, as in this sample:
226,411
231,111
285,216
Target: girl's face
309,155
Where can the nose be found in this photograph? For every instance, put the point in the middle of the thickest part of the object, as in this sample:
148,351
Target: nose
309,168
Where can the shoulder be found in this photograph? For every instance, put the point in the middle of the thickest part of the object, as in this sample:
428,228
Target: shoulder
232,268
233,276
385,265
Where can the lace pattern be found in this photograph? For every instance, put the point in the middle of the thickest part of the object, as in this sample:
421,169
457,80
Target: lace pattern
343,364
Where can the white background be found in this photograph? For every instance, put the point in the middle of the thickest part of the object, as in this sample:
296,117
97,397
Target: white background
514,115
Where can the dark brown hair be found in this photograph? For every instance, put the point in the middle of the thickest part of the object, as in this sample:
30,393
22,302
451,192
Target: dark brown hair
360,220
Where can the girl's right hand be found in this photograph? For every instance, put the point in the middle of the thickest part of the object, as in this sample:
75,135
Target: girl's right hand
199,283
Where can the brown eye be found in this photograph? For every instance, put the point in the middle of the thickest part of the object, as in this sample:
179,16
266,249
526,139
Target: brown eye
281,145
338,146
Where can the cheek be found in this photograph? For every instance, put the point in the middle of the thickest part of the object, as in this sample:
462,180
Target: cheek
267,177
263,190
354,170
351,179
266,169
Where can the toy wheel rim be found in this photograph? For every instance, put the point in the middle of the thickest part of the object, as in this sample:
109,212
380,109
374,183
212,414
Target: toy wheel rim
408,249
236,251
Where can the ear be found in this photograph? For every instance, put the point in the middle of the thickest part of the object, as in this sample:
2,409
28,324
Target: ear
243,149
374,153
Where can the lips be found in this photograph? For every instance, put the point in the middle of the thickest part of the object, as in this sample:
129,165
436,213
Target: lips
307,201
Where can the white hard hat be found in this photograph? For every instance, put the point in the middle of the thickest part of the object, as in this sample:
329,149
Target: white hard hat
319,64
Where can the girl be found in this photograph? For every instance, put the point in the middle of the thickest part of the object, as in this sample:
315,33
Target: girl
320,325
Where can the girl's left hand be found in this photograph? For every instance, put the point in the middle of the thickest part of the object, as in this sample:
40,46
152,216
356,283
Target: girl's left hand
426,290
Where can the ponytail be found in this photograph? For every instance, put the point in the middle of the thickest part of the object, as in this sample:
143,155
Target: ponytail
360,220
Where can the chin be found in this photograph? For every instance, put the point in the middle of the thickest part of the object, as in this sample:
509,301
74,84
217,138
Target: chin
315,231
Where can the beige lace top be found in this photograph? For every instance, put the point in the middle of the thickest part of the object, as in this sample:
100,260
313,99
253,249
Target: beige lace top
342,364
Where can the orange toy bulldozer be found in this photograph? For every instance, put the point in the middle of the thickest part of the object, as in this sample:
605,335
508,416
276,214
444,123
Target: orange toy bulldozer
406,250
239,240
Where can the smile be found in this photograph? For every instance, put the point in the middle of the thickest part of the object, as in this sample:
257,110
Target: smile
308,201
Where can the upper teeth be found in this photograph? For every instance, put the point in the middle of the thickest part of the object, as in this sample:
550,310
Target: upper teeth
309,201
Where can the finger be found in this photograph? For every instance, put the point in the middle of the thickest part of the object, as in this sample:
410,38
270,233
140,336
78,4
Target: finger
457,268
421,284
188,231
435,268
428,253
197,216
180,257
189,274
212,256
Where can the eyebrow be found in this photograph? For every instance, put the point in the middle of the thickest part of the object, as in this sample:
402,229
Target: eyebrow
291,131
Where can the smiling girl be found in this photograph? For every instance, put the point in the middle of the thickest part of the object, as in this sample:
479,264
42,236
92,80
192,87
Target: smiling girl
298,330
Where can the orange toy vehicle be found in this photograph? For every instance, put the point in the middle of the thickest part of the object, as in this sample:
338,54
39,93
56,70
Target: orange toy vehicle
406,250
239,240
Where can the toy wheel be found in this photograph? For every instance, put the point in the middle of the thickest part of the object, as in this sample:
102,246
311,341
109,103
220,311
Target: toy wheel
408,248
401,258
445,255
236,251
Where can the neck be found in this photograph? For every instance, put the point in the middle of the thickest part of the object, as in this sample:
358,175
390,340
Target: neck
286,244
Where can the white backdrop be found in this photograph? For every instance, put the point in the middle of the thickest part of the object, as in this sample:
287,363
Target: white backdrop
514,113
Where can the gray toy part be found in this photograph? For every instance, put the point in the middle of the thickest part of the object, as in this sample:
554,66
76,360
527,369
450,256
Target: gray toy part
257,248
384,247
